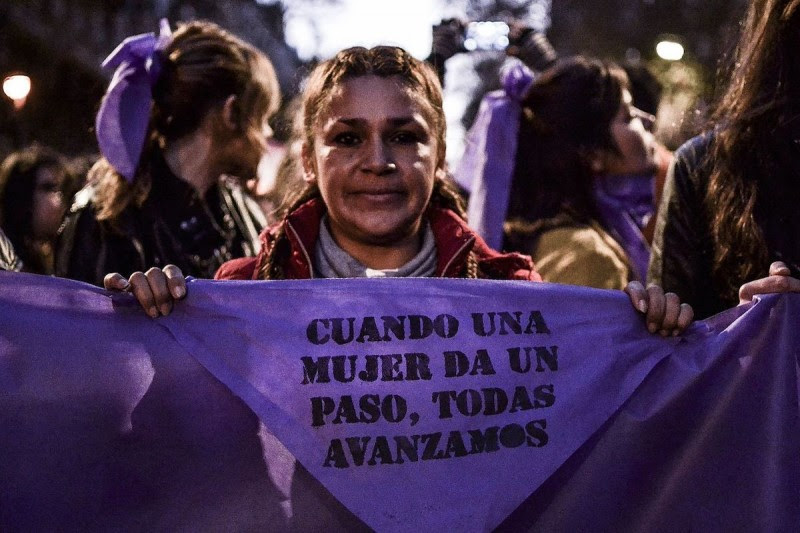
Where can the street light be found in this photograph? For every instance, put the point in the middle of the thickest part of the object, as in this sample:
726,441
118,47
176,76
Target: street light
670,50
17,87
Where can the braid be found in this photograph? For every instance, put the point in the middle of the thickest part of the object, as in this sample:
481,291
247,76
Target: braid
272,267
446,196
471,270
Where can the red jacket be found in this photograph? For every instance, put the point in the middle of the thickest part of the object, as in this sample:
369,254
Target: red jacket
454,240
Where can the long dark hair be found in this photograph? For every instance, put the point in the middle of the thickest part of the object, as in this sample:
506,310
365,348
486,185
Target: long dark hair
18,182
383,61
203,66
565,122
758,108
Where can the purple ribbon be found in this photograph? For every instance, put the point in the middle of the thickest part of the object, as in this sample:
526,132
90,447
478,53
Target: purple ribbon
625,203
121,125
487,166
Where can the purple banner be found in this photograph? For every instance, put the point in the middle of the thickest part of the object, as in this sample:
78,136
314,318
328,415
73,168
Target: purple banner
414,404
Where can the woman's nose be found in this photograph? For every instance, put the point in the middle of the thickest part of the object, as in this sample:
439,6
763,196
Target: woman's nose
648,120
378,159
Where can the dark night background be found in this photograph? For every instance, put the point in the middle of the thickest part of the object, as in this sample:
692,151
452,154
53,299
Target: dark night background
60,44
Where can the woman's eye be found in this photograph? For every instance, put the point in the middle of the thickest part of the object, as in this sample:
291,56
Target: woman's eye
48,187
405,137
346,139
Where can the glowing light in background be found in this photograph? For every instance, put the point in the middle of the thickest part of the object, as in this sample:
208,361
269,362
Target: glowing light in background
321,30
486,35
670,50
17,88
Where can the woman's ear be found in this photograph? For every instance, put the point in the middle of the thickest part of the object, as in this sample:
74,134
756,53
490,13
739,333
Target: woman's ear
230,113
309,170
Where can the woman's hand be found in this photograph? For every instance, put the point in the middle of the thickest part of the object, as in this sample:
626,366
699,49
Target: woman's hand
156,289
664,313
779,280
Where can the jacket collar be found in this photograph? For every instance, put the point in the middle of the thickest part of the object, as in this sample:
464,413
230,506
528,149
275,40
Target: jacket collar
454,240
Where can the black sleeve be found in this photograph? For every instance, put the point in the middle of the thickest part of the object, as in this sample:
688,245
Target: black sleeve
682,248
87,249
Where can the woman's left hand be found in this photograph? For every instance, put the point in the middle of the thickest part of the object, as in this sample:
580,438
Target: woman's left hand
779,280
664,313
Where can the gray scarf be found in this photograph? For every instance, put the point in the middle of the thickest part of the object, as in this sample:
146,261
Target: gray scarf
330,261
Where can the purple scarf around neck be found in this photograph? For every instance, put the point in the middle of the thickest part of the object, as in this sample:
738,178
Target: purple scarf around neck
625,204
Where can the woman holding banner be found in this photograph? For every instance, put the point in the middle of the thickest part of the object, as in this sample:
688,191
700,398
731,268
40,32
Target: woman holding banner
376,202
184,118
730,200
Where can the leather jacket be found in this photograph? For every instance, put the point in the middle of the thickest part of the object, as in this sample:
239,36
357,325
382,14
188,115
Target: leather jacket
173,226
683,245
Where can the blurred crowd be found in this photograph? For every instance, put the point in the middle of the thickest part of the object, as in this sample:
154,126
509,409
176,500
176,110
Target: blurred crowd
560,164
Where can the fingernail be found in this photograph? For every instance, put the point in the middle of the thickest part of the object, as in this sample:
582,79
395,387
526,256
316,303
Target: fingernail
651,328
180,292
164,309
642,306
676,333
153,312
663,333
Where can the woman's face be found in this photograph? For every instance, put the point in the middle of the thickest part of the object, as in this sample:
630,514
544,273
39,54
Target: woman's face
374,157
239,154
634,142
49,206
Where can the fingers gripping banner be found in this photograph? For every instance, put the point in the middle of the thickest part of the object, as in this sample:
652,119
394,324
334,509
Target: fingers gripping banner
395,405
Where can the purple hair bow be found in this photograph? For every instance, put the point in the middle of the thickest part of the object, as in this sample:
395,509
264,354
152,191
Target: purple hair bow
487,166
121,125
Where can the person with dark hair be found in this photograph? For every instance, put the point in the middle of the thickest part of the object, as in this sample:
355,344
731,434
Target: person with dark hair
730,202
644,86
561,167
35,184
182,123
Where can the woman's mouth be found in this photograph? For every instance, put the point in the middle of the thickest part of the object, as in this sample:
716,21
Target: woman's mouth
390,195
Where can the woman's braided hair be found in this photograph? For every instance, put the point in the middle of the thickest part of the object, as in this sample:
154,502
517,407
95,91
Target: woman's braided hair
203,65
382,61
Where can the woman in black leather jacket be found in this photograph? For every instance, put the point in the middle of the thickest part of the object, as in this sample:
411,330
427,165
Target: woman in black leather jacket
730,202
206,97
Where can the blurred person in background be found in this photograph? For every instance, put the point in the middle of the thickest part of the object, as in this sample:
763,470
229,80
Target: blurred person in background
35,185
561,166
182,125
646,92
729,212
283,169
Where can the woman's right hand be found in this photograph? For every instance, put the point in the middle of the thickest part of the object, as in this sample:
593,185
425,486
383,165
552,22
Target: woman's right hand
779,280
156,290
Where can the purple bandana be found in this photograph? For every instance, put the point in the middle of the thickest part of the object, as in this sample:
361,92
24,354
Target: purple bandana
486,168
121,125
625,203
335,405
